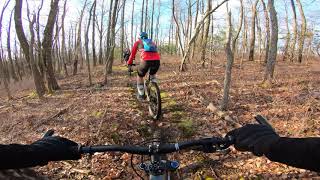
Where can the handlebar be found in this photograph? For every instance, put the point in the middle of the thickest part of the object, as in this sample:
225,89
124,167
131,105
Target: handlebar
207,145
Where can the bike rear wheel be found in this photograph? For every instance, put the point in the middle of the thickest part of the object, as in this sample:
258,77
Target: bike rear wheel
154,98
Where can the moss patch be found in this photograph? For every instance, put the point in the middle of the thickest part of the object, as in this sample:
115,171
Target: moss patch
120,68
187,127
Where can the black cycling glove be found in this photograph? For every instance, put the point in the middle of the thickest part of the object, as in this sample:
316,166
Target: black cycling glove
55,148
49,148
255,138
130,68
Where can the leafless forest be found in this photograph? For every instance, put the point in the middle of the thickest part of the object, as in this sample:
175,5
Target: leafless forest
222,62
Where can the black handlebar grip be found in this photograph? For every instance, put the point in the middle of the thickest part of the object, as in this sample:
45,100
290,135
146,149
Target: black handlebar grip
262,120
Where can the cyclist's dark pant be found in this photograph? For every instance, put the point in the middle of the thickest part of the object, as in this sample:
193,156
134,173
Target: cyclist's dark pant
144,66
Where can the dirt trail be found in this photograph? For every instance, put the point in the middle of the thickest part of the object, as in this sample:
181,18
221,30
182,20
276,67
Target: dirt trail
107,115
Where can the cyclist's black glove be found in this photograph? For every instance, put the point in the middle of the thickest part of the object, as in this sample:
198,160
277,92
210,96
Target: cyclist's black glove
255,138
55,148
49,148
130,68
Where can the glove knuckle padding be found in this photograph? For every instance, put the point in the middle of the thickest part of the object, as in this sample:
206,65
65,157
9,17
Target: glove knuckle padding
54,148
256,138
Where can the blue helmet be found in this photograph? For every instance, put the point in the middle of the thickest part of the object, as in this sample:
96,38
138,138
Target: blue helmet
143,35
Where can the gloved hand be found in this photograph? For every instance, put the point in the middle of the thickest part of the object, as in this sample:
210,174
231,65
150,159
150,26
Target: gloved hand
55,148
255,138
130,68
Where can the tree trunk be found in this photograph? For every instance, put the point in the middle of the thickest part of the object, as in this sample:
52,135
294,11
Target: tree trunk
142,13
39,55
286,45
272,55
78,52
16,59
122,30
39,84
177,28
295,32
112,40
86,43
230,59
94,57
206,33
12,69
151,26
63,48
132,16
245,39
259,36
302,35
4,76
230,49
101,32
253,31
267,27
146,17
195,23
47,46
108,32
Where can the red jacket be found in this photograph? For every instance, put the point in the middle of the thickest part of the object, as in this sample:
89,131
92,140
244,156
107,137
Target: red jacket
145,56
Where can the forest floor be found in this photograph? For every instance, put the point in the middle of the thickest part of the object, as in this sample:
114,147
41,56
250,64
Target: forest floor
111,114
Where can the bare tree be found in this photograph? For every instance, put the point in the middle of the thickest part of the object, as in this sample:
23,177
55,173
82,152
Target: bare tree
177,28
195,22
132,16
253,31
272,55
28,50
12,69
86,43
288,36
302,35
196,32
259,36
230,49
112,40
295,31
47,46
142,12
78,52
4,72
122,28
63,48
94,57
109,37
152,14
267,28
146,17
39,44
206,33
101,31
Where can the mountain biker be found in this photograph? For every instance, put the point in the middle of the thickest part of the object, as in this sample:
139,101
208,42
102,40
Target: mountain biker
39,153
150,61
262,140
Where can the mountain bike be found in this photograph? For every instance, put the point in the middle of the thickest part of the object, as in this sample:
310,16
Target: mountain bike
153,96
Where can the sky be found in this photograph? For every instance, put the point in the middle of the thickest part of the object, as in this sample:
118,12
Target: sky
311,8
